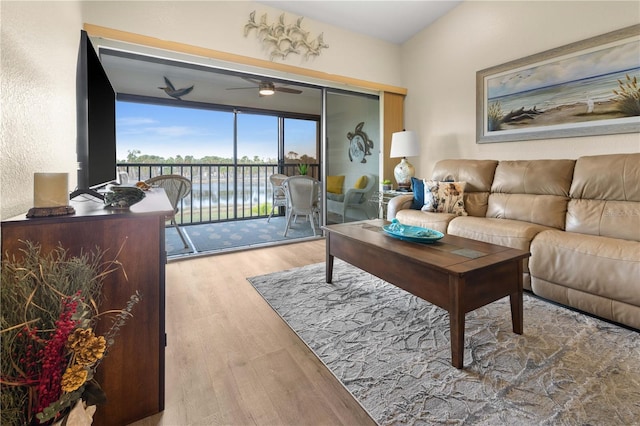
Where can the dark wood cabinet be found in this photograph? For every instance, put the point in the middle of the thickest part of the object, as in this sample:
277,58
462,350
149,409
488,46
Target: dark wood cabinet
132,375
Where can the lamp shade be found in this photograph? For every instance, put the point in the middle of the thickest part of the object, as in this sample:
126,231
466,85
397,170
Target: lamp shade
404,144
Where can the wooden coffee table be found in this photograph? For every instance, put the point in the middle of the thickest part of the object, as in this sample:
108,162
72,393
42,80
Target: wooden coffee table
457,274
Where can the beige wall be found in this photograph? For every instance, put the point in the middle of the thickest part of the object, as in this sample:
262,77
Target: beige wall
39,49
439,69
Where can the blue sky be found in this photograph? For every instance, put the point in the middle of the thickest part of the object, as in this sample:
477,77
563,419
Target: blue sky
170,131
565,69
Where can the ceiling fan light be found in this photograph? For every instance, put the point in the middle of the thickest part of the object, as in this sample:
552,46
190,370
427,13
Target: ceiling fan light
267,89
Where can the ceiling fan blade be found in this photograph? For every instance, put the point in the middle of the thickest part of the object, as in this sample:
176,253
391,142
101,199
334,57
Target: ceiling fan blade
288,90
239,88
251,80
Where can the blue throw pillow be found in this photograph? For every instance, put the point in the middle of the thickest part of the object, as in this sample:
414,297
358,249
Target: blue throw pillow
418,193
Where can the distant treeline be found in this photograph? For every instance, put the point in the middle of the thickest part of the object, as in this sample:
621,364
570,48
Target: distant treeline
137,157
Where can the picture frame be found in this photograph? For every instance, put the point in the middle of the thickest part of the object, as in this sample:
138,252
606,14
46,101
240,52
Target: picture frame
581,89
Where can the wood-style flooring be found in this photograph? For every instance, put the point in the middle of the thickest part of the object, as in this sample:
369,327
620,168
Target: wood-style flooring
231,360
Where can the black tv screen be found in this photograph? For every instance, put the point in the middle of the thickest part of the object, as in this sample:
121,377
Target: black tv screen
96,119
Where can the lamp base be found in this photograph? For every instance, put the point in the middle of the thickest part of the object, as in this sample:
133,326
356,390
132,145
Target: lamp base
403,173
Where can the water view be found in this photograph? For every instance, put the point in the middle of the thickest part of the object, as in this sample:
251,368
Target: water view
227,156
581,92
601,84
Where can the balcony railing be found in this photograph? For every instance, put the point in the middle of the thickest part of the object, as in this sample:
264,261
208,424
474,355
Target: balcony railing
220,192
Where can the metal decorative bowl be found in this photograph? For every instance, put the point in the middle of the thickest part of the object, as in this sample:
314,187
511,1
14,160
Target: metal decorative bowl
123,196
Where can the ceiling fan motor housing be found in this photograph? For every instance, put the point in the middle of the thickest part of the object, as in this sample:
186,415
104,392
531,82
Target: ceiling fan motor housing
267,88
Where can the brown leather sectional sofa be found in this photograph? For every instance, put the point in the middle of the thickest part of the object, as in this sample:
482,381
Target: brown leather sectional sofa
580,219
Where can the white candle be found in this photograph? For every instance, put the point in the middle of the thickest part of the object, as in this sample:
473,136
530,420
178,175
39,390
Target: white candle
50,189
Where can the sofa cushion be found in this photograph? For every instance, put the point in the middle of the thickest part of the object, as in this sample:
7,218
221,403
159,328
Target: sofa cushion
444,197
504,232
602,266
535,191
607,177
334,184
614,219
544,177
605,196
478,174
547,210
436,221
509,233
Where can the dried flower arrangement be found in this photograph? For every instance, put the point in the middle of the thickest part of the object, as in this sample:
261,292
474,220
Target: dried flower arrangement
49,309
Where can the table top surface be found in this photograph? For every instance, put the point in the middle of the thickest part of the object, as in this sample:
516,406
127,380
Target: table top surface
154,203
452,254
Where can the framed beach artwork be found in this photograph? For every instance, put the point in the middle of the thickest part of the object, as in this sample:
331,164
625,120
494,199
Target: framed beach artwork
587,88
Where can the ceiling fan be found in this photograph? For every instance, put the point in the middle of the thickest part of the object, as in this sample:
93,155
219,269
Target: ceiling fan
266,88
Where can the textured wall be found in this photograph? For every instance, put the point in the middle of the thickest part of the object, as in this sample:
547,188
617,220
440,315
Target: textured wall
440,65
219,25
37,87
39,51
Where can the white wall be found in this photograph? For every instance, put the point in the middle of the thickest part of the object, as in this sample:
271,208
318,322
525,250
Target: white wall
219,25
344,114
39,47
440,63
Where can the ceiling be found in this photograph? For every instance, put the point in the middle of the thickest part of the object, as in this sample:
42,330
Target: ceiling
392,21
143,76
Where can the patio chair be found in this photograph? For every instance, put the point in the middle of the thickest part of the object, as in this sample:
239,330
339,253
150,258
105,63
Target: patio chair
278,197
355,200
176,187
302,199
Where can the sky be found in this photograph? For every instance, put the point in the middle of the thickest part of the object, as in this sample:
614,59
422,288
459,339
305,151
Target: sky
570,68
170,131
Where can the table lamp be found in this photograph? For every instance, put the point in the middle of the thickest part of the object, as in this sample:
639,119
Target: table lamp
404,144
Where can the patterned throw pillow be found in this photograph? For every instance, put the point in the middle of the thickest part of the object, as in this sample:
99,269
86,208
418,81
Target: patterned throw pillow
430,195
444,197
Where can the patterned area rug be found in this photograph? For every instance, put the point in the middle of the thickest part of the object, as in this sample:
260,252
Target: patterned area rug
236,234
391,351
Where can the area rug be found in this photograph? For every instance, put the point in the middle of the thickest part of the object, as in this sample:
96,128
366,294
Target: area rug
224,236
391,350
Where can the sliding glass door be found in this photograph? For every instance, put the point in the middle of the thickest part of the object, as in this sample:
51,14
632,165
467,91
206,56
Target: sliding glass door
353,147
227,154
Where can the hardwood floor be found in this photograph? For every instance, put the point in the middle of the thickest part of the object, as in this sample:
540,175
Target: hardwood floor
231,360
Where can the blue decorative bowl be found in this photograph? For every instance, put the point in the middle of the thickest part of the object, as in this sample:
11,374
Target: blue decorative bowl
413,234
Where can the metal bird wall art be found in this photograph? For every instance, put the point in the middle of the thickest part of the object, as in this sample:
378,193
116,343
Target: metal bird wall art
173,92
282,39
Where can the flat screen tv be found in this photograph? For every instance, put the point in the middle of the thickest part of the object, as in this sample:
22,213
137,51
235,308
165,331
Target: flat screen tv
96,120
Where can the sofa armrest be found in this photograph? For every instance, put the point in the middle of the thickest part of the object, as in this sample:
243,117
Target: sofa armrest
398,203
